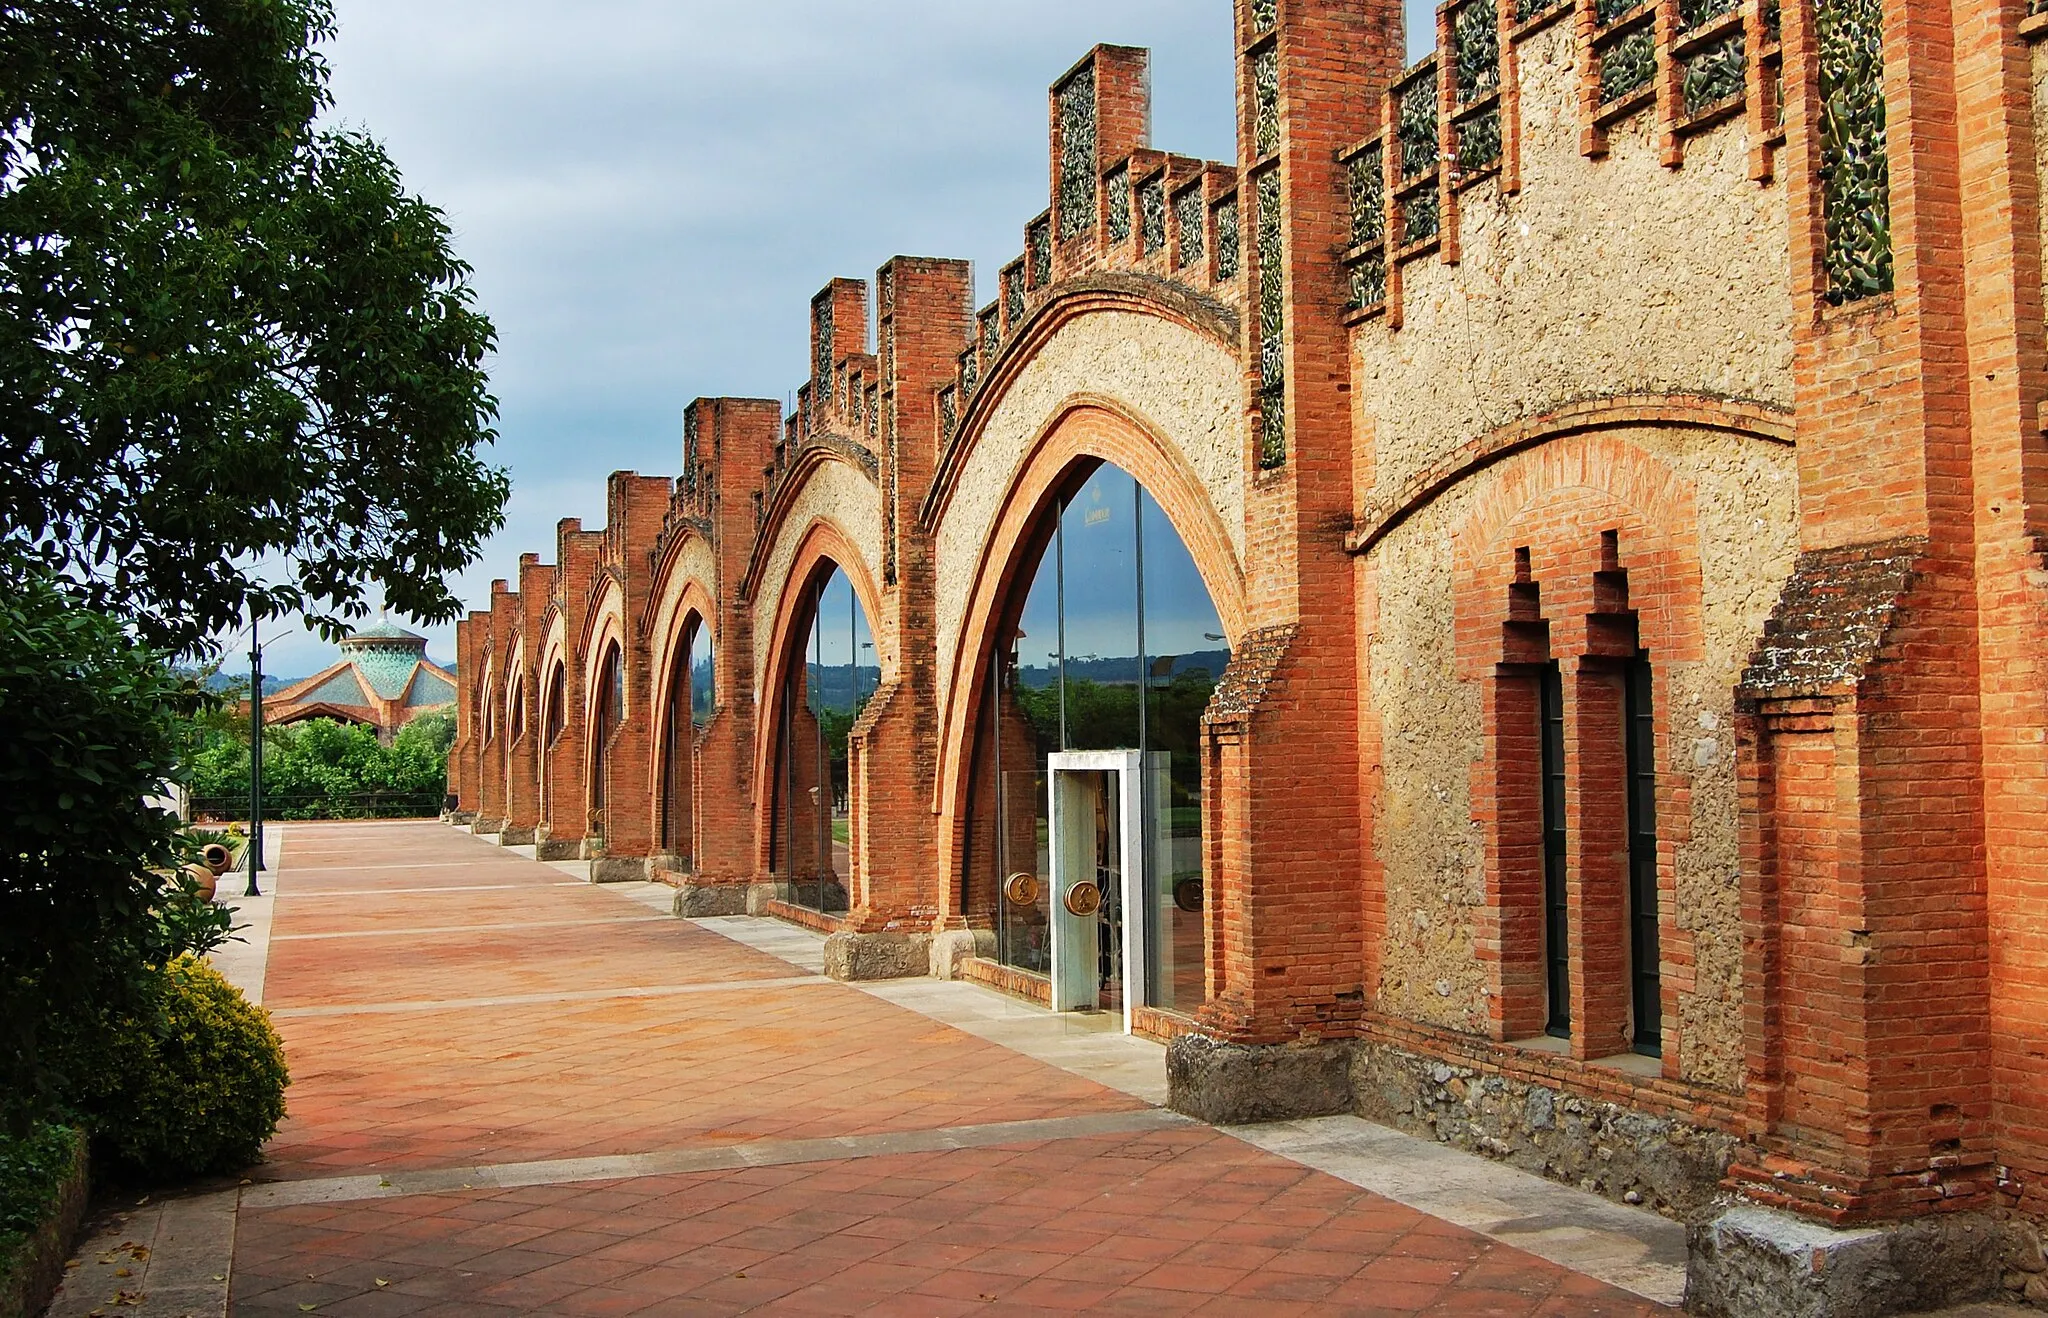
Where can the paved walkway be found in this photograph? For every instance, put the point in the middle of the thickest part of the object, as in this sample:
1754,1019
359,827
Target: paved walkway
517,1093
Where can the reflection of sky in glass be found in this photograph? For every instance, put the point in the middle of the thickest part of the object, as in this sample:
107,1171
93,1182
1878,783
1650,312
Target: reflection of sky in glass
703,686
839,634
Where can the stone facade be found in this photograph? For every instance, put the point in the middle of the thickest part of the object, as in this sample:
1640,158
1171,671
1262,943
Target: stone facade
1624,511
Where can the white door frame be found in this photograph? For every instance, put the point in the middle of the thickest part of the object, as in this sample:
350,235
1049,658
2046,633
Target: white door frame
1074,938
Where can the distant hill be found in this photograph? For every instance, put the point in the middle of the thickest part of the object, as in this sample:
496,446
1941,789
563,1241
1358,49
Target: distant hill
1123,670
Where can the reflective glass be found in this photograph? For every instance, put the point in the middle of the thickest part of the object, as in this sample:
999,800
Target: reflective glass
829,682
1114,645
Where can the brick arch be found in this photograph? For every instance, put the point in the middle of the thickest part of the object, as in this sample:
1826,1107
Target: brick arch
1086,432
823,547
553,655
606,630
1557,501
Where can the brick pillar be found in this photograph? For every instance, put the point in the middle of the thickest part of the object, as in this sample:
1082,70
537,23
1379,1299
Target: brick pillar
462,753
1286,915
926,319
1118,117
522,784
637,506
2002,282
491,714
566,823
1868,1038
735,438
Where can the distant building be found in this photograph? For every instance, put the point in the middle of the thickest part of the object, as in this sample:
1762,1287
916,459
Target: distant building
383,680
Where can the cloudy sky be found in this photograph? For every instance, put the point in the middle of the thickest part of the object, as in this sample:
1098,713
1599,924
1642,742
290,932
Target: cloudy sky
651,190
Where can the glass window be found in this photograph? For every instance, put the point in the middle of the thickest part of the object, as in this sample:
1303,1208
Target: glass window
1114,644
828,683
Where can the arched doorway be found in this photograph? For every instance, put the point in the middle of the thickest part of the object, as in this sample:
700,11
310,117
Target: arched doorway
691,698
1087,754
607,716
828,678
554,720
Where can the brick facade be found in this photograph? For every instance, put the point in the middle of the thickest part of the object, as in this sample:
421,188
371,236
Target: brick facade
1589,395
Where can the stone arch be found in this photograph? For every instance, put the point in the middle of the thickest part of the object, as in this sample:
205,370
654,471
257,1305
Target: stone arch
822,548
825,489
1084,435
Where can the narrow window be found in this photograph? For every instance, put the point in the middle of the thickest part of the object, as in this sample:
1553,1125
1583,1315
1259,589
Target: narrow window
1556,916
1642,861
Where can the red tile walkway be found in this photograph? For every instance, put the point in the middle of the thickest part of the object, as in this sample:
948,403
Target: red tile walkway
1155,1221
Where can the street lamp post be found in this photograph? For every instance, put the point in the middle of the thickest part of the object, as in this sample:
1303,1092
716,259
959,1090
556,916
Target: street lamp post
255,758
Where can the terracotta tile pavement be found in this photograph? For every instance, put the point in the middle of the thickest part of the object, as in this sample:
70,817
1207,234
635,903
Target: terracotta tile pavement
1162,1222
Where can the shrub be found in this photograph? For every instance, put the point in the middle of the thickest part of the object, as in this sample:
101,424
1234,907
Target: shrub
195,1092
33,1170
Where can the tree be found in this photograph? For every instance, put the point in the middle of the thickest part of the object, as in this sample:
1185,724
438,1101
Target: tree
92,904
226,334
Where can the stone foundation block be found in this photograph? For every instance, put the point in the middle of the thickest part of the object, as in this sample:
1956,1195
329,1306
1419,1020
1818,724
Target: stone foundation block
558,849
516,837
1755,1263
760,894
694,900
1230,1084
952,947
463,818
1631,1157
486,827
853,957
619,869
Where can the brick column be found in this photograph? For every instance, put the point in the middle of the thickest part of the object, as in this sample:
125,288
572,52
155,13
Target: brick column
1286,917
522,784
926,318
637,506
565,826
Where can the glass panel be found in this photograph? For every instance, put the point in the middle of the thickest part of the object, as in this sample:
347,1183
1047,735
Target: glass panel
833,679
1556,913
1642,860
1099,537
1186,656
703,676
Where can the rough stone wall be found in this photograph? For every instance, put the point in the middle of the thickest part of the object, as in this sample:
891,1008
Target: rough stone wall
1182,384
1637,1157
834,493
1602,276
1744,491
694,563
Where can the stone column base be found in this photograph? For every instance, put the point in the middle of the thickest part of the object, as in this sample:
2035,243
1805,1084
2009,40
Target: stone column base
951,947
487,827
619,869
850,956
1234,1084
558,848
1756,1263
462,818
516,837
695,900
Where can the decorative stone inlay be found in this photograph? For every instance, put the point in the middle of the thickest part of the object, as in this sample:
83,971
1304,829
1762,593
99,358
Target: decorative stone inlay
1013,292
1039,239
1424,211
1479,140
1265,15
1417,131
821,367
1718,72
1116,191
1368,281
1855,175
1528,9
1187,212
970,371
1151,216
949,413
1272,322
1368,177
991,332
1229,261
1266,102
1695,13
1628,64
1476,30
1077,154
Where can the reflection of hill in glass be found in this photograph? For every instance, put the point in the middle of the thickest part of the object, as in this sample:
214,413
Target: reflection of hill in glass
1124,669
835,687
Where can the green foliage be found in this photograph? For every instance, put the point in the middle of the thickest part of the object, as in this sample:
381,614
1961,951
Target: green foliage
311,769
194,1090
226,334
33,1170
90,726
